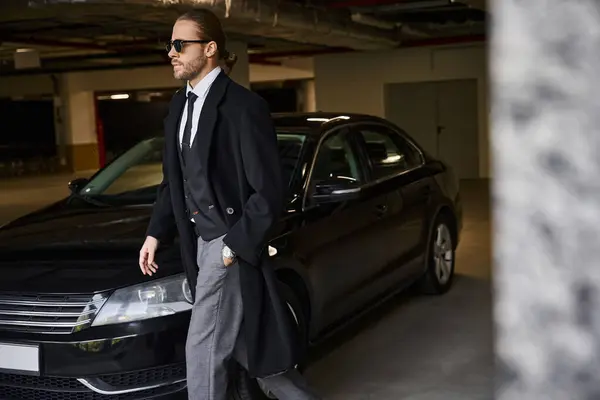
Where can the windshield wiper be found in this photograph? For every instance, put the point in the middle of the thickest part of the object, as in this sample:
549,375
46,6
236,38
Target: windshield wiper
88,199
141,193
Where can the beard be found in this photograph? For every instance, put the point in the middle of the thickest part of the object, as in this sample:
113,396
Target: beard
190,70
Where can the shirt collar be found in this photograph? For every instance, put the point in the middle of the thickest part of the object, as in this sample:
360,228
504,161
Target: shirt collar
204,85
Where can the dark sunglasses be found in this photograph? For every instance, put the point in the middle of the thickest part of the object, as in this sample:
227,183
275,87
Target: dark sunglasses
177,44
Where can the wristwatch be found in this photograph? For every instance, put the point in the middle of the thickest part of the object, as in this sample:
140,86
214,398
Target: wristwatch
228,253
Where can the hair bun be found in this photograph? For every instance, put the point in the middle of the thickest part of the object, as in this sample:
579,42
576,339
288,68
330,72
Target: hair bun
229,59
227,56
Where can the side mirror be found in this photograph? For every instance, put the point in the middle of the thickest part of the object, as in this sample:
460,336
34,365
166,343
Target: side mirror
336,189
77,184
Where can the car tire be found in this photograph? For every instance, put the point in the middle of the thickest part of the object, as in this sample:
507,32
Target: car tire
243,387
441,258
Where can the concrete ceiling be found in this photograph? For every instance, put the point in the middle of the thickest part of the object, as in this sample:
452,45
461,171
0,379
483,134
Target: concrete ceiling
92,34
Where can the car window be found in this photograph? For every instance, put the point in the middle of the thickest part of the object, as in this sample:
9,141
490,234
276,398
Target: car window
387,151
138,171
336,159
138,168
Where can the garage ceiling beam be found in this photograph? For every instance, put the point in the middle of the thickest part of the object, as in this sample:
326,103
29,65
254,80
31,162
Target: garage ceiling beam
284,20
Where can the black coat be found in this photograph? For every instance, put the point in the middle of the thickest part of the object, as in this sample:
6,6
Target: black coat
238,151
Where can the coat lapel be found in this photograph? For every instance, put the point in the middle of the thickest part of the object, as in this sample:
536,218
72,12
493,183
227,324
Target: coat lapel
208,118
172,120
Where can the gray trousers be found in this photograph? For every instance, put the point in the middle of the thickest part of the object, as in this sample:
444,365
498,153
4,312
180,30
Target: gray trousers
215,333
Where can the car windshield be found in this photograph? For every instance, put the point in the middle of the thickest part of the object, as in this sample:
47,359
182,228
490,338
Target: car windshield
134,175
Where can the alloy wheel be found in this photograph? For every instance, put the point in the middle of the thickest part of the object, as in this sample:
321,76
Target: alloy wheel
443,254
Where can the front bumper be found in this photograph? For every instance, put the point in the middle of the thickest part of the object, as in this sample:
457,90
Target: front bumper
139,360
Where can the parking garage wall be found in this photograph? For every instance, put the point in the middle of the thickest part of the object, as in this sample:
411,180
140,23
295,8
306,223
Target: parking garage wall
354,82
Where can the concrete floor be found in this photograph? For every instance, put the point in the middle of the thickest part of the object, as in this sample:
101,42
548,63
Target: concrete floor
413,348
22,195
420,347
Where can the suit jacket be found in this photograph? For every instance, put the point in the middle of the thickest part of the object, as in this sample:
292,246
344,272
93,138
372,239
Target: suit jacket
239,156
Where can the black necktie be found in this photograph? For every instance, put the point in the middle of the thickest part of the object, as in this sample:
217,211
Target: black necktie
187,131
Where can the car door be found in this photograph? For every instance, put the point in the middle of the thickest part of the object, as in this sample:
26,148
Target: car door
338,240
395,168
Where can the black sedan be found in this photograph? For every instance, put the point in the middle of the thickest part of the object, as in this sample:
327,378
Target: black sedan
368,214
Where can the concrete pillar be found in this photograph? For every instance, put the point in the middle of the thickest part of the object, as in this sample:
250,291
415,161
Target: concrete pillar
309,102
75,121
241,71
545,142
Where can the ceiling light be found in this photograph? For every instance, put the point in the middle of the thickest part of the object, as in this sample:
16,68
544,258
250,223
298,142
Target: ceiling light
119,96
314,119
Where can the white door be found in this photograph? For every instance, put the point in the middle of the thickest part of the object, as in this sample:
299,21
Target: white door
442,117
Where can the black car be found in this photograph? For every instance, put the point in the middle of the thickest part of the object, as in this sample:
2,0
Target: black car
368,214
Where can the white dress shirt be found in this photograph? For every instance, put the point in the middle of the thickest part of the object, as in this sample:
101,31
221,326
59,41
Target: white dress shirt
201,90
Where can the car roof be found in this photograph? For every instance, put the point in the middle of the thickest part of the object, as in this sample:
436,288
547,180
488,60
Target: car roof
317,123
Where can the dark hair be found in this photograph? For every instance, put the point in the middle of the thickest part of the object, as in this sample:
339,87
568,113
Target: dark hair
210,28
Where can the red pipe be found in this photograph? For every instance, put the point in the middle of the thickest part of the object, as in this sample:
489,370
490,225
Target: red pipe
100,135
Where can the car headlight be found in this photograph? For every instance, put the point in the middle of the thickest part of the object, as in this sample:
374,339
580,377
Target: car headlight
158,298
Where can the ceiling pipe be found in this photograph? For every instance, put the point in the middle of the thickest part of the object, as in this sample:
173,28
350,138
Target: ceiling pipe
263,58
258,58
253,57
443,41
415,43
368,20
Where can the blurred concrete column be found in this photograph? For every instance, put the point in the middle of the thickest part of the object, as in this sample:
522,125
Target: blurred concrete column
241,71
75,123
545,63
309,102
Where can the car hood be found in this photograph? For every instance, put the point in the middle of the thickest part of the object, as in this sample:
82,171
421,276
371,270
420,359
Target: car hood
83,249
58,226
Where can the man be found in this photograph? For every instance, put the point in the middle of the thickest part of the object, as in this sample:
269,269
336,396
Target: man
222,192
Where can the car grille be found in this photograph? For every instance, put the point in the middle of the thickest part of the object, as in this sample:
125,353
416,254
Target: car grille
55,314
24,387
17,393
39,382
145,377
